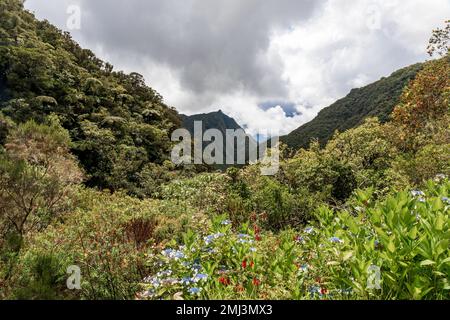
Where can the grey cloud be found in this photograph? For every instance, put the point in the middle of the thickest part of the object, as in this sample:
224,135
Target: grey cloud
216,46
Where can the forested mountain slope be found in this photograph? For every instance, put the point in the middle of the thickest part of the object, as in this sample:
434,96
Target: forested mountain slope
375,100
117,123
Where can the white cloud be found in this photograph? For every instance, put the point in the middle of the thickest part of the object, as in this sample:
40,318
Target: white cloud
353,43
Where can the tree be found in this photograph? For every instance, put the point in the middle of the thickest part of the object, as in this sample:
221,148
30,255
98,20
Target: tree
440,41
424,104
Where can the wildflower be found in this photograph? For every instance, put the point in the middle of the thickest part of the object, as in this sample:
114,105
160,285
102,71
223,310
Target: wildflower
252,249
244,264
256,282
148,294
224,281
417,193
194,290
252,264
226,222
196,267
212,237
303,267
167,252
313,290
258,237
186,281
243,236
309,230
173,254
299,239
199,277
445,199
422,200
440,177
336,240
323,291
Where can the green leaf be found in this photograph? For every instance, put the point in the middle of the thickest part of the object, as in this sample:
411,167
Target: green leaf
427,263
391,247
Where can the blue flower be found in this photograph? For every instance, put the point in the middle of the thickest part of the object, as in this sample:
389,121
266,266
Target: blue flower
226,222
309,230
186,280
167,252
304,267
199,277
173,254
252,249
194,290
243,235
445,199
336,240
417,193
212,237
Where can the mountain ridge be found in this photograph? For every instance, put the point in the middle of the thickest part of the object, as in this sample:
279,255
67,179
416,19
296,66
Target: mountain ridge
377,99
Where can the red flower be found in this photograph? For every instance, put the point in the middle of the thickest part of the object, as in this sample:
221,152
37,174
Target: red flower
258,237
256,229
224,281
323,291
244,264
252,264
256,282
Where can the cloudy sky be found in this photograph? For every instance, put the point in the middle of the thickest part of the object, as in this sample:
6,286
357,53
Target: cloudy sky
267,63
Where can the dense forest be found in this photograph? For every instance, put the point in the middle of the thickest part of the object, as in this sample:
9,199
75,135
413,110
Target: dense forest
86,181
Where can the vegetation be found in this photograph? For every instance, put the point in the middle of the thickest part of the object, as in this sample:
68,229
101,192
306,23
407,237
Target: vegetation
363,214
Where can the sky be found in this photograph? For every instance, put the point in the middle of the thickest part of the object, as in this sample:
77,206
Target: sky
270,64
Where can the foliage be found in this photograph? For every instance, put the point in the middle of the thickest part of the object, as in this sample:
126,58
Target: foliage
406,236
439,41
108,237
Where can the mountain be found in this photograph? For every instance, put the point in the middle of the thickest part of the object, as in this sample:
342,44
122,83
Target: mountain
120,127
214,120
375,100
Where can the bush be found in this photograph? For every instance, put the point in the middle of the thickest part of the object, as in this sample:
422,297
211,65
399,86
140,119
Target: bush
108,237
406,236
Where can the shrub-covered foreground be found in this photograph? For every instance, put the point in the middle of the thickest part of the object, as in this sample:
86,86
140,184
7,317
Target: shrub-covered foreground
406,237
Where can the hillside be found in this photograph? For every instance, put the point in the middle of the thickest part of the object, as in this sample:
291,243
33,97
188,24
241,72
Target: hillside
117,123
375,100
